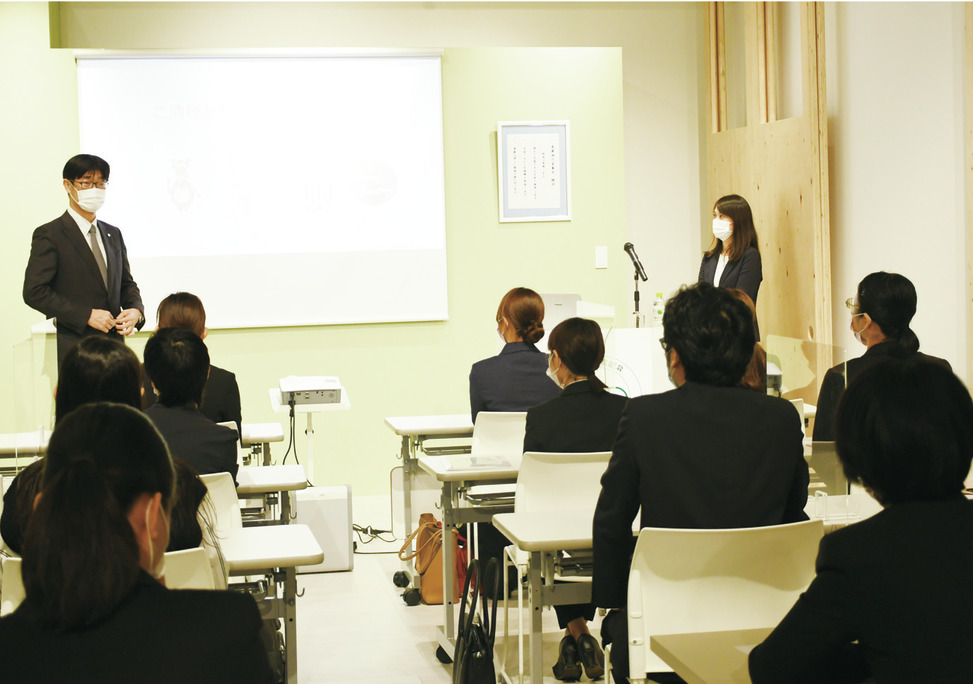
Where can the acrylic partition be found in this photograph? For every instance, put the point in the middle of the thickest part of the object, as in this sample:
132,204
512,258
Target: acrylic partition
27,423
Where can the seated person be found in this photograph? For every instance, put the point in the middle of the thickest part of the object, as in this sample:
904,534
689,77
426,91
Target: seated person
708,454
892,597
515,379
177,363
584,418
102,369
221,396
96,608
881,312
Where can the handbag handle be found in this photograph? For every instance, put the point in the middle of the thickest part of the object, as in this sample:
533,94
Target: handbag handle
490,624
435,537
474,569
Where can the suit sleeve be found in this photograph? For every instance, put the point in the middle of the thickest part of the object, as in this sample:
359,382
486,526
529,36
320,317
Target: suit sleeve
39,292
476,395
130,297
797,496
612,536
814,641
702,270
831,389
751,273
235,412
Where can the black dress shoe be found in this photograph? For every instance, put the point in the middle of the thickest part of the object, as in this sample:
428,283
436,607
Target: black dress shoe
567,668
591,656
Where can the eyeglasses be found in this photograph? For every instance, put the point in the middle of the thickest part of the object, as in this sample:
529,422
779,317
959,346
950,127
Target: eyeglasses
87,184
853,307
664,345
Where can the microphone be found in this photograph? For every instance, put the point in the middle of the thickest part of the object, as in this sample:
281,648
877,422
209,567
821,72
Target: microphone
630,248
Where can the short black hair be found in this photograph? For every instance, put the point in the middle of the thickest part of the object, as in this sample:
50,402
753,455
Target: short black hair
904,429
80,164
890,300
712,332
97,368
177,363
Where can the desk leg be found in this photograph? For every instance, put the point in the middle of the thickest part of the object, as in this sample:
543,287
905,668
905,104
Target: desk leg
285,507
290,624
449,503
408,474
536,627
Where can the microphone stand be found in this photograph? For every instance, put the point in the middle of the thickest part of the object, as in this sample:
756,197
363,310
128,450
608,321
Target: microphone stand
637,317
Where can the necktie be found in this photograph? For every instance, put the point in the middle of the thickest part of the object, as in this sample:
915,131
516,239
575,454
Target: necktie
99,259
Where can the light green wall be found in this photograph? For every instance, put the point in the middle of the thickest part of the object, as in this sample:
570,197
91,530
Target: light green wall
393,369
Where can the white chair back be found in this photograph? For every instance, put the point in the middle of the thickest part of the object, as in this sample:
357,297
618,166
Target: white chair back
189,569
499,435
690,580
13,586
559,481
223,501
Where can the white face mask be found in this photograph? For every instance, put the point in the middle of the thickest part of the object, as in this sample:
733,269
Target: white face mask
722,229
552,374
857,333
159,571
92,199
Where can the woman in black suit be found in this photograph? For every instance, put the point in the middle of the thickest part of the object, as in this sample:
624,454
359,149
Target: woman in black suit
892,598
584,418
96,606
734,258
514,380
881,312
221,396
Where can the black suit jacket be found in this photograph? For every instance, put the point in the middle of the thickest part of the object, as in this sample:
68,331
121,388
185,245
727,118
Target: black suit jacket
697,457
577,421
744,274
833,384
63,282
514,380
156,635
221,396
899,584
191,436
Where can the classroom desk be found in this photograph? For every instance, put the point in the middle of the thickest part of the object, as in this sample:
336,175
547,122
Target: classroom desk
258,436
22,445
542,535
279,479
709,657
277,550
456,473
415,431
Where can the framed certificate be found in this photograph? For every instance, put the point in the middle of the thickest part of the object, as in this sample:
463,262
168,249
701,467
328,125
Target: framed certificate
533,171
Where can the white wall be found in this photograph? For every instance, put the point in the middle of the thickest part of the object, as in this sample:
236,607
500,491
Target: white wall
895,100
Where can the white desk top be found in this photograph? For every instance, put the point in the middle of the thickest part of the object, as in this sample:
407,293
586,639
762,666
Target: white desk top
250,549
709,657
260,433
547,530
274,478
465,468
413,426
33,442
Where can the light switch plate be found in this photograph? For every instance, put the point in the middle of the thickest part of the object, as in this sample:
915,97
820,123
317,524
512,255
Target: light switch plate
601,257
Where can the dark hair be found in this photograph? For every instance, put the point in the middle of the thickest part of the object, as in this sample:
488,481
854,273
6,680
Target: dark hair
177,362
81,557
524,309
711,331
97,368
77,166
184,529
889,299
580,346
904,429
755,377
736,208
182,310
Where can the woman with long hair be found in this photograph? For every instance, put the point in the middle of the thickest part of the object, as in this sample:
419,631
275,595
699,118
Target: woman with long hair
96,608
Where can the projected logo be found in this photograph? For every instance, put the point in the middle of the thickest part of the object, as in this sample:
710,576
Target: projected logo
621,379
182,193
375,183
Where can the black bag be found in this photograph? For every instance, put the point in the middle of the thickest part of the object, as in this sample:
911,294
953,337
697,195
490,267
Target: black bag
473,657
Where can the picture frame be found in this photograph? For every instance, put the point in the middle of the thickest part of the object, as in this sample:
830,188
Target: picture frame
534,171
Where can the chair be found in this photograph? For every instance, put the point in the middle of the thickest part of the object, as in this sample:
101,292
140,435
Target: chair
223,501
693,580
189,569
13,587
550,482
499,435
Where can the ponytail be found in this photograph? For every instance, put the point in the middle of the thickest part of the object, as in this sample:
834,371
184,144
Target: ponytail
80,553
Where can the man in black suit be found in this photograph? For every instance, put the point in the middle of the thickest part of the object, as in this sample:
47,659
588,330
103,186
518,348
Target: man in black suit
78,271
708,454
177,362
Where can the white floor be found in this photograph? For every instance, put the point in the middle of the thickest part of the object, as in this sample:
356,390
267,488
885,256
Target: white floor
353,627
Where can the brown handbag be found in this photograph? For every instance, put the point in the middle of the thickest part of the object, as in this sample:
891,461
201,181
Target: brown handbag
428,556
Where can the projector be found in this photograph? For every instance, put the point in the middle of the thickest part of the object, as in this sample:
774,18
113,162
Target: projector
310,390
